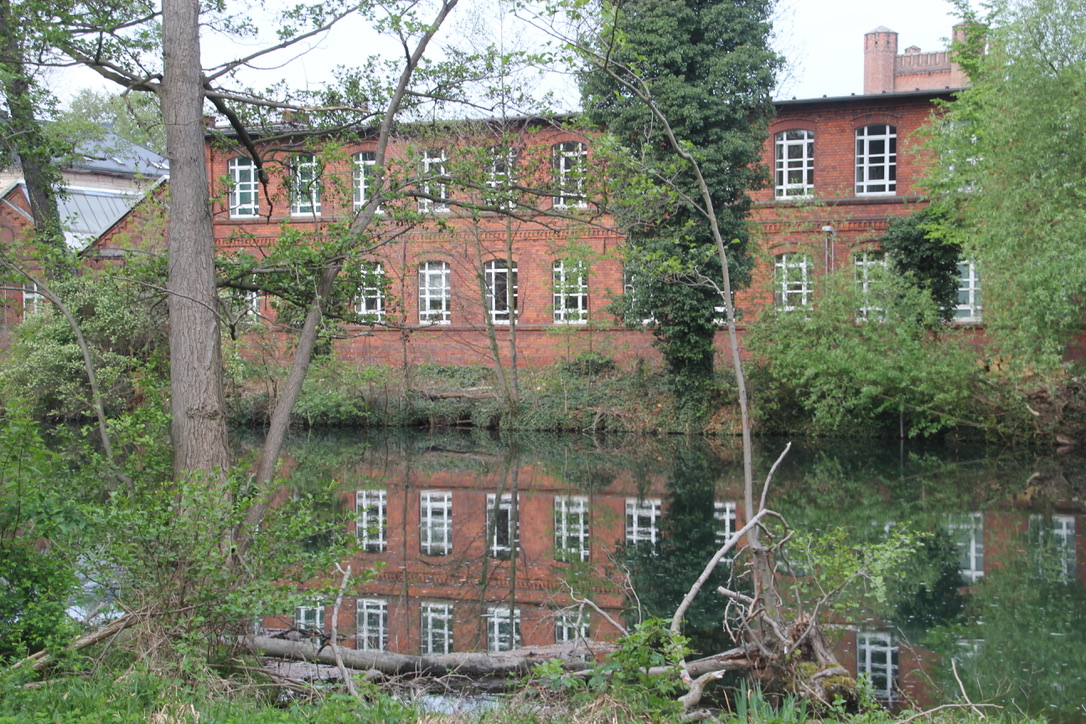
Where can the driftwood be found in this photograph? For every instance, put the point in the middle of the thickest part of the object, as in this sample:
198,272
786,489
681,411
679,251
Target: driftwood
470,393
506,664
43,659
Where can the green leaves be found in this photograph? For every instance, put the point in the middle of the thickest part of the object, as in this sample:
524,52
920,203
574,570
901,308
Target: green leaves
1010,179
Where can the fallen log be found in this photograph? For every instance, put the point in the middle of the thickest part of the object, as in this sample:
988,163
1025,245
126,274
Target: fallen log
574,657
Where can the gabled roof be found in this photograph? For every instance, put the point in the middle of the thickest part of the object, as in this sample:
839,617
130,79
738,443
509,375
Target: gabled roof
111,154
87,213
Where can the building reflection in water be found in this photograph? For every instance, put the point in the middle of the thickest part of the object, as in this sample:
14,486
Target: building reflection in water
493,549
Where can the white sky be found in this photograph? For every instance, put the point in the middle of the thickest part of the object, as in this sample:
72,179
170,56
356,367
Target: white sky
822,41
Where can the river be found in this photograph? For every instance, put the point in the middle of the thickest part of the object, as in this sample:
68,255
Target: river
480,543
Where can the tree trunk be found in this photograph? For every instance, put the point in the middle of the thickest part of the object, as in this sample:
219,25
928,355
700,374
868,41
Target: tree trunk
198,428
25,140
468,665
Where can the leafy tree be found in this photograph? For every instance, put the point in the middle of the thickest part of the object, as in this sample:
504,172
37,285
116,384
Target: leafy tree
844,374
1012,157
922,260
711,72
135,117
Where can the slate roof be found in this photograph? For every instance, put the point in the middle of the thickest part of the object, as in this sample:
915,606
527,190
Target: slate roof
113,155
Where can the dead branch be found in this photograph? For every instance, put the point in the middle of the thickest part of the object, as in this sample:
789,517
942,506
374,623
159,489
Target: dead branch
473,665
334,643
42,659
676,620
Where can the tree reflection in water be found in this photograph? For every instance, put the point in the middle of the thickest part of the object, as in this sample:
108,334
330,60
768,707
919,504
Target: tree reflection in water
487,540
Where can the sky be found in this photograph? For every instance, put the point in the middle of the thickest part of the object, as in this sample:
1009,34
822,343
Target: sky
823,46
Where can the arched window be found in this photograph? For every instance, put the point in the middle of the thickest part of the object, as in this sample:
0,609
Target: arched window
968,307
876,159
305,186
794,167
570,164
434,293
792,281
364,164
244,192
870,267
570,284
501,290
371,298
434,183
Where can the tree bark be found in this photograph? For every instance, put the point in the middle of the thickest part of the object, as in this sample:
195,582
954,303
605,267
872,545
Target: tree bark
24,139
198,428
506,664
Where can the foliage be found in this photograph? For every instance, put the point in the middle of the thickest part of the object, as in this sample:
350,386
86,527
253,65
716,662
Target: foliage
625,675
124,325
137,696
1007,184
924,262
1022,641
844,374
37,582
711,71
135,117
841,569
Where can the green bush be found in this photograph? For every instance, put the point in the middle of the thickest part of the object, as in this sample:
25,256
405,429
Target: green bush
126,334
861,362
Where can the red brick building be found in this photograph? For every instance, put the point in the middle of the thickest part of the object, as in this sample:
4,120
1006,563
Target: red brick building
437,267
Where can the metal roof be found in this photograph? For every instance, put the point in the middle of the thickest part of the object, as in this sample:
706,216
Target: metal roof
87,213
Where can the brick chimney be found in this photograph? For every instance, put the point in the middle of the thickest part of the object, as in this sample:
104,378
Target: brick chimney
958,78
880,52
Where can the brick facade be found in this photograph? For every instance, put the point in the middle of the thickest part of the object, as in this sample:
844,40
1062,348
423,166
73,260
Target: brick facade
853,163
831,221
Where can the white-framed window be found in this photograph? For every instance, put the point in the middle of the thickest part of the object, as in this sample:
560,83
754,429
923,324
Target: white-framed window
305,186
1054,541
370,301
794,168
371,522
501,177
725,518
365,165
371,633
870,267
631,289
310,617
435,293
571,542
967,532
435,523
433,184
503,525
968,307
33,299
642,520
570,166
792,281
570,281
502,628
501,283
876,159
877,659
571,626
437,620
244,195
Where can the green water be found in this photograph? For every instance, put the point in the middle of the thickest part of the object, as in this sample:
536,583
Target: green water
994,585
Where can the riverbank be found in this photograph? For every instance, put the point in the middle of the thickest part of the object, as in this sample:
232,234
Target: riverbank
585,394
